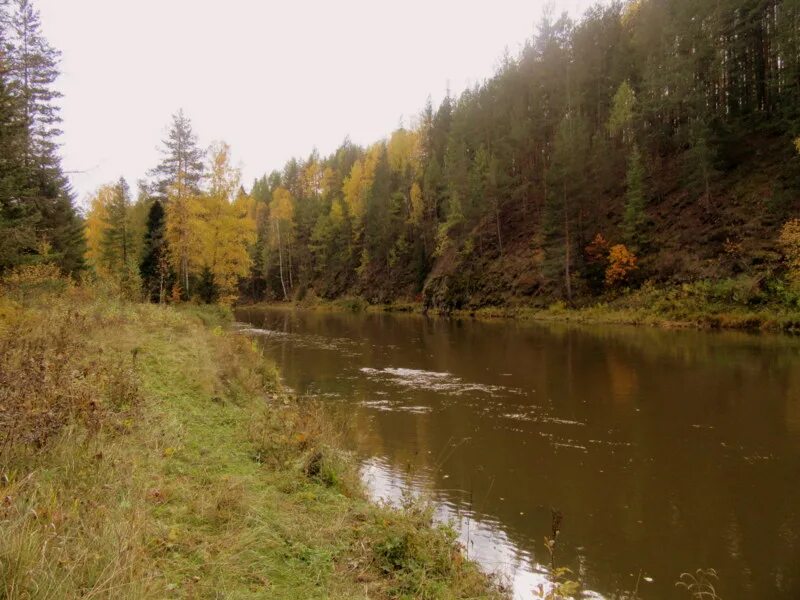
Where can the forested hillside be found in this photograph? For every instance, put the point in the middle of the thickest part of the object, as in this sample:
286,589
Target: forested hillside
649,140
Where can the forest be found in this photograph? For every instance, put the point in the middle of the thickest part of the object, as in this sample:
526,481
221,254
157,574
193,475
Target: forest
647,143
168,429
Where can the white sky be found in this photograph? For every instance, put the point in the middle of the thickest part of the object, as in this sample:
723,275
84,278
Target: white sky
273,79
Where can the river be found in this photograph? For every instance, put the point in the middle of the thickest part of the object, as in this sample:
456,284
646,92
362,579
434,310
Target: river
665,451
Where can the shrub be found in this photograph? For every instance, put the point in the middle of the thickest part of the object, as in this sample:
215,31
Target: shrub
621,263
789,240
29,281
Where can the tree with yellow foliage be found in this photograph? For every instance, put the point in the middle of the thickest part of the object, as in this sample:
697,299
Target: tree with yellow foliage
226,226
183,234
95,226
111,231
358,185
789,240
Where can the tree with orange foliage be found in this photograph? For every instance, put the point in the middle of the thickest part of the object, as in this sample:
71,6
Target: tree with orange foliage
621,263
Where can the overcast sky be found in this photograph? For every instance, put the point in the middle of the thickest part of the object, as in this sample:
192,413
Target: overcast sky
273,79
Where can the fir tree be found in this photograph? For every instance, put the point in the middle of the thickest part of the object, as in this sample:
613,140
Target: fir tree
36,205
157,278
34,67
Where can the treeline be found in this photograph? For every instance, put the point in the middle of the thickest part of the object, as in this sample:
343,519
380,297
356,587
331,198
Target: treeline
188,235
38,220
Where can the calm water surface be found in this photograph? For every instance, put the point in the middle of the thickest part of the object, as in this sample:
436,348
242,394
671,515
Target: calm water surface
665,451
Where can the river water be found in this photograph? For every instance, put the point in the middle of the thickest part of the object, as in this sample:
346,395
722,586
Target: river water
665,451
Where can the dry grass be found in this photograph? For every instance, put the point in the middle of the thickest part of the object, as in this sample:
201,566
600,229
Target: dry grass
148,453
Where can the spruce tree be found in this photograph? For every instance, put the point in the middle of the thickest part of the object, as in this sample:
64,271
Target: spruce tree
34,66
157,278
36,204
17,219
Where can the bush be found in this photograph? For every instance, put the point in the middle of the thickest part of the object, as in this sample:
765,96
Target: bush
33,281
789,241
621,263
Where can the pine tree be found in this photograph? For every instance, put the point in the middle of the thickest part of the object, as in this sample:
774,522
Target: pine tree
181,169
635,219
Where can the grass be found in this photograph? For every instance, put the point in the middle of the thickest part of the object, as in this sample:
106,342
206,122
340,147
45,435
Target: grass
155,455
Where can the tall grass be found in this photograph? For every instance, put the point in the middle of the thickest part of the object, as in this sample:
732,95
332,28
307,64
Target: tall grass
146,452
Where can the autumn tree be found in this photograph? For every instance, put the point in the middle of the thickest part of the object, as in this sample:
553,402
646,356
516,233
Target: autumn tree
110,235
96,224
183,231
621,263
117,239
789,240
226,227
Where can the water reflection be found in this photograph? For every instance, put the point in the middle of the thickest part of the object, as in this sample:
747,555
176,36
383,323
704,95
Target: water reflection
666,451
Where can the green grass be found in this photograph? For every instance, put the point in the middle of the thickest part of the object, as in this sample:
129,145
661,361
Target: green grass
208,482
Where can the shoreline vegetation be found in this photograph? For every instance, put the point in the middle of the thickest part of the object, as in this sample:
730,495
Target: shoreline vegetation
148,452
685,307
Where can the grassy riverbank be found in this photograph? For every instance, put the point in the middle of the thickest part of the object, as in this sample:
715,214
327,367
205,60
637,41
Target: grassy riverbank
145,452
700,305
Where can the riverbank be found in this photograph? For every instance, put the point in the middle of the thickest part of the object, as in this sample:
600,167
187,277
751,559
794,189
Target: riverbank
691,306
147,452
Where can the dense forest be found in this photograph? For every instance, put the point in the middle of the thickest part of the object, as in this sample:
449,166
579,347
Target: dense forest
650,140
647,143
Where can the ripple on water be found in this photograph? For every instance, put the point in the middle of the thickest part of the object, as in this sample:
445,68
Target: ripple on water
445,383
394,406
344,346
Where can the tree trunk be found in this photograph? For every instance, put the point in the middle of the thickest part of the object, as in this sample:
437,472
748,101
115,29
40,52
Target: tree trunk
289,260
497,221
280,260
186,274
567,278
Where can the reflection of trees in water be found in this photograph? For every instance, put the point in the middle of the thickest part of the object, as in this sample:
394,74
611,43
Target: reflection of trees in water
793,404
623,379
